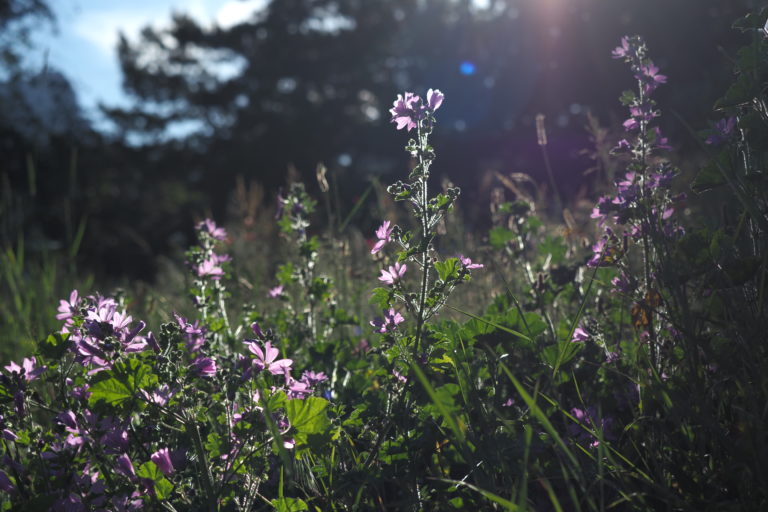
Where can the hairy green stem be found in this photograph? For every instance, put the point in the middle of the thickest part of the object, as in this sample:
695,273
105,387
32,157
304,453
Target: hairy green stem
205,470
424,206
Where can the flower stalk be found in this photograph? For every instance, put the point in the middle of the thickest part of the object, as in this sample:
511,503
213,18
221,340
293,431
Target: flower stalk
436,278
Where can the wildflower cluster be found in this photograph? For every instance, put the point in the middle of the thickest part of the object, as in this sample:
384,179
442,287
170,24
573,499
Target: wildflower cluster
100,331
108,417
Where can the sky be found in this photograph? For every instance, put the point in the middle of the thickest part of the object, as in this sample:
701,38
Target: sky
83,42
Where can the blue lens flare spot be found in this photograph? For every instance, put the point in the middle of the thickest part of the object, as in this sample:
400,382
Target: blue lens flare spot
467,68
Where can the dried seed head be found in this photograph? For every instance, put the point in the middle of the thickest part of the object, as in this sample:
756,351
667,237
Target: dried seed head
541,132
321,180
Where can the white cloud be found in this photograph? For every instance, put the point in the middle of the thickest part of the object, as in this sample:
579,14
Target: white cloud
233,12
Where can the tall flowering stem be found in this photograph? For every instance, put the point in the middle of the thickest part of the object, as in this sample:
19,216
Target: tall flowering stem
643,205
436,277
294,211
209,270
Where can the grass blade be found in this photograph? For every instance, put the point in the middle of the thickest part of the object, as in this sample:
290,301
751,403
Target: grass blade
486,494
492,324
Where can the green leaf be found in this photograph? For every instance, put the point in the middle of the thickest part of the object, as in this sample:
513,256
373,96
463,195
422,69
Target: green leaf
213,445
163,488
121,383
381,297
308,416
518,208
289,505
499,237
711,175
751,21
310,421
354,419
448,269
22,438
4,392
285,274
627,98
442,201
554,246
276,400
446,396
442,407
532,224
741,92
54,346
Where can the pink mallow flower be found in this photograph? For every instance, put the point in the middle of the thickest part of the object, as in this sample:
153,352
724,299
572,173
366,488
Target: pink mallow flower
204,366
384,234
579,335
125,466
296,388
160,396
107,313
468,263
162,459
389,323
27,369
393,273
434,99
622,51
212,229
313,378
267,358
68,309
650,75
194,333
276,292
210,268
6,484
631,124
722,131
407,110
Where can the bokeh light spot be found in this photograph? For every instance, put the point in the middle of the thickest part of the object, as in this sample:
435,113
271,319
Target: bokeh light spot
467,68
345,160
